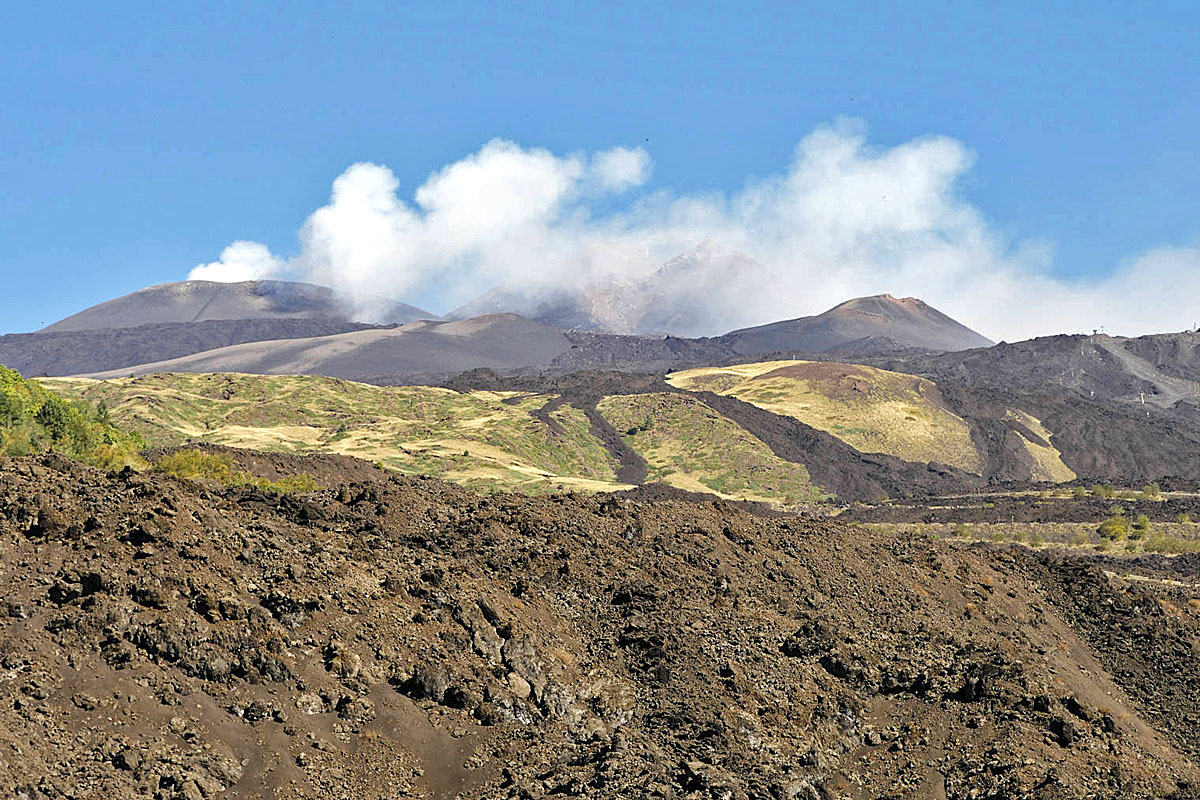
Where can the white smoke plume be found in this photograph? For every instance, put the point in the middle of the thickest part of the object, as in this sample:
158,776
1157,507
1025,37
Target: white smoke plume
240,261
843,219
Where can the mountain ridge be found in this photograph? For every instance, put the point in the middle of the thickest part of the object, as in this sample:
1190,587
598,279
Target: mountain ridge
908,322
198,301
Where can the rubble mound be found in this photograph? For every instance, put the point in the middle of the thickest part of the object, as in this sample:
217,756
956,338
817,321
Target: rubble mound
399,637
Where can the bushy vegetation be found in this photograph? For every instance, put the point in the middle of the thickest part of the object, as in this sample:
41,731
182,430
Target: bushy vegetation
1163,543
1114,528
219,467
35,420
1128,534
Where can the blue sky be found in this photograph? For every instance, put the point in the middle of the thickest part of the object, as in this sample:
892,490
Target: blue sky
137,140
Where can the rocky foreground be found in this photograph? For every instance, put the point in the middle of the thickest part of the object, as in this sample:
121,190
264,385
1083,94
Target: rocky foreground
404,638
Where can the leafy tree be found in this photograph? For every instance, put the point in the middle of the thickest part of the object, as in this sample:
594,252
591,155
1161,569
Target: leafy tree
55,417
102,414
34,419
10,408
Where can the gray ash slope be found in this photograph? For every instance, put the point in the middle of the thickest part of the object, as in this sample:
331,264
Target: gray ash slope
416,351
1119,409
83,351
389,637
864,324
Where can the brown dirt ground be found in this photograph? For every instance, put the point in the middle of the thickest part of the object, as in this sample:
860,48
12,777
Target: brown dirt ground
406,638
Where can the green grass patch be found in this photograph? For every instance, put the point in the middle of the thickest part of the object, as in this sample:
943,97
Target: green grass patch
201,465
688,445
473,438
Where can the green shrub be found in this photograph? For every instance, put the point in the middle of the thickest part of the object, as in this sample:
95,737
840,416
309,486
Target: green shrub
198,465
1036,539
1183,518
1104,490
292,484
202,465
1170,544
1151,491
1079,492
55,416
1113,528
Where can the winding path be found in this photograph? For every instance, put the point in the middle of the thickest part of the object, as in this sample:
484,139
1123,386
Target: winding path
1168,390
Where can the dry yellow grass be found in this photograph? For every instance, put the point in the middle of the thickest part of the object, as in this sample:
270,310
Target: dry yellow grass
1048,463
872,410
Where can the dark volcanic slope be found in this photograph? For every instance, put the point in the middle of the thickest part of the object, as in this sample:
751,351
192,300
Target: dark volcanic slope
1175,354
865,324
195,301
396,638
1118,408
591,350
75,352
836,466
1154,369
428,350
